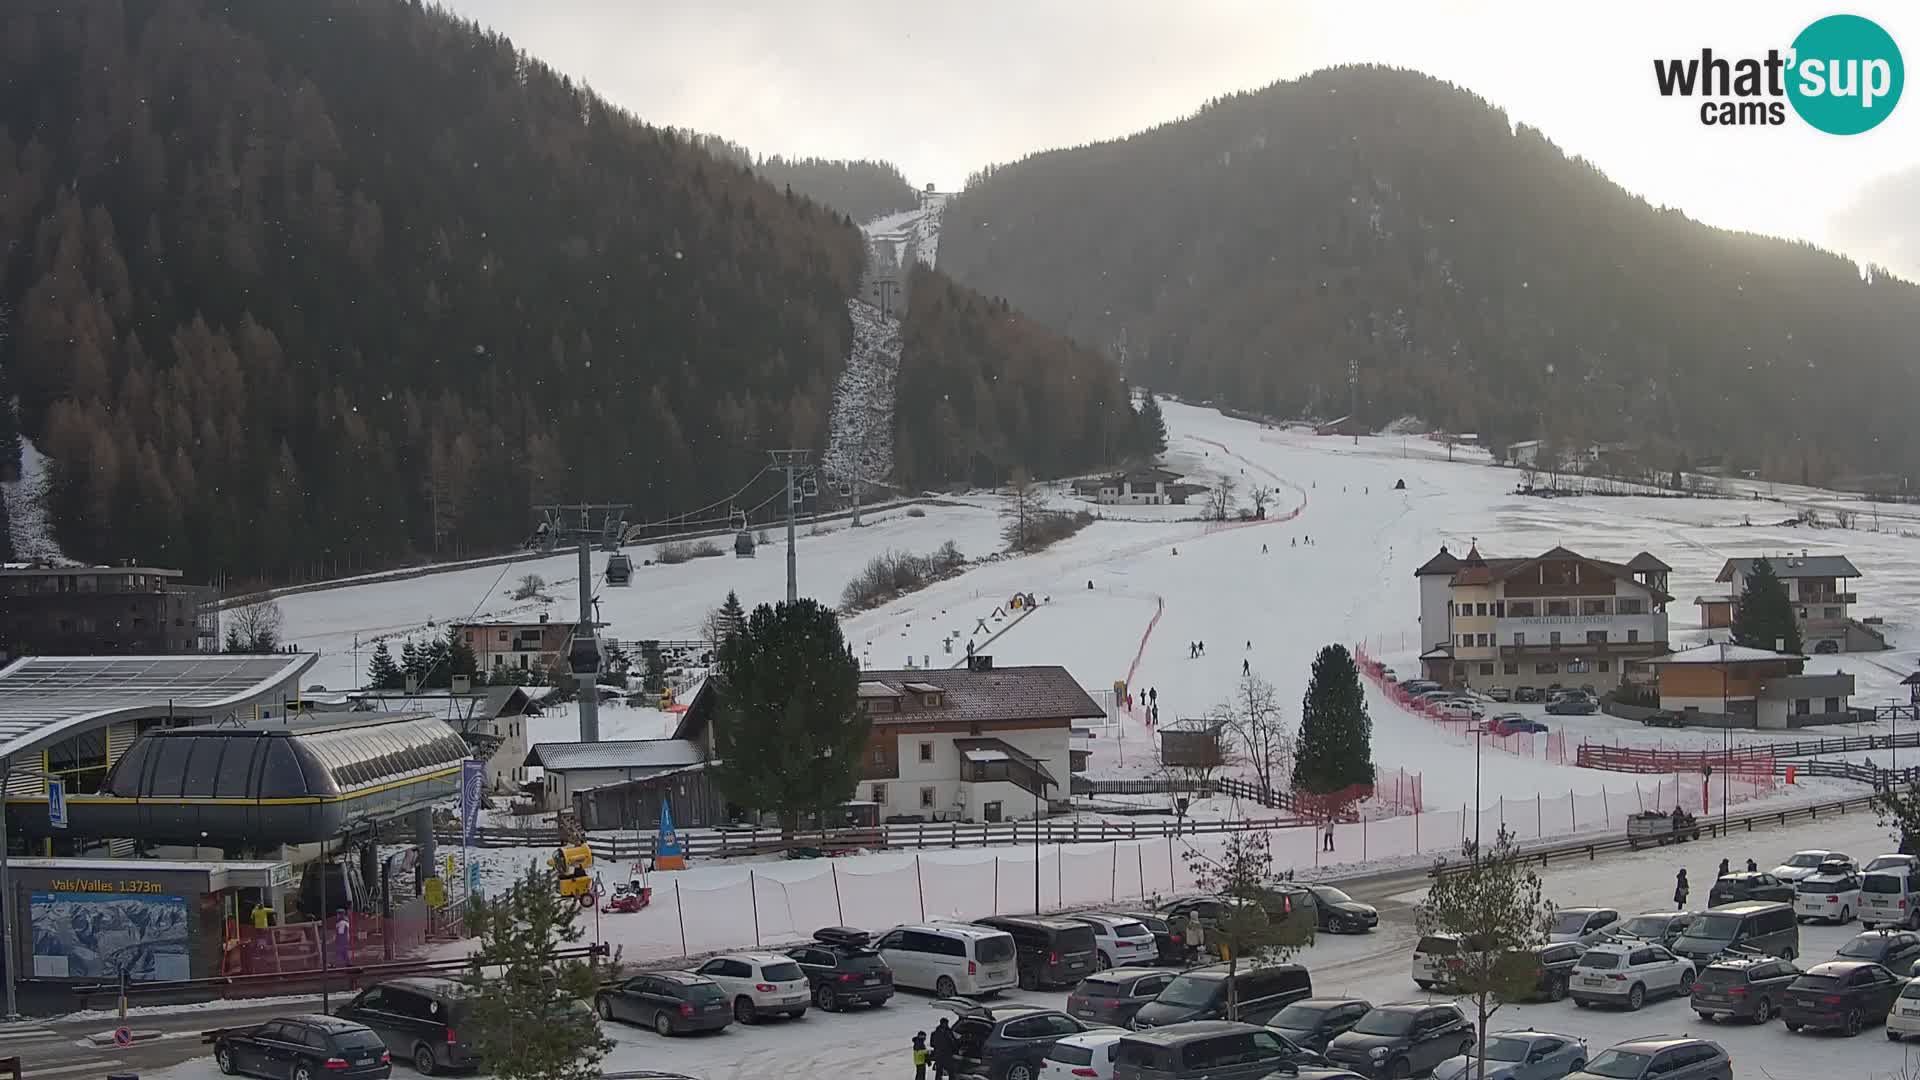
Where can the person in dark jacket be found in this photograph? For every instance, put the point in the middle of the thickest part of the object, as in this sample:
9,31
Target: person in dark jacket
1680,889
1752,867
1724,870
945,1045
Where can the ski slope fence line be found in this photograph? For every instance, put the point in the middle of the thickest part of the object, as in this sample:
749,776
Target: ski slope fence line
1274,476
718,906
1159,609
1552,748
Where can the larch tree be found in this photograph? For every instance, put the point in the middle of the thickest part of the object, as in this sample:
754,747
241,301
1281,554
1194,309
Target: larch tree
789,736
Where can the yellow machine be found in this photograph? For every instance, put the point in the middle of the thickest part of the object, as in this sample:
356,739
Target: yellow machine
570,866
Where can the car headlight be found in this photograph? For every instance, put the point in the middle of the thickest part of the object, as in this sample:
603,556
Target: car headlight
1377,1052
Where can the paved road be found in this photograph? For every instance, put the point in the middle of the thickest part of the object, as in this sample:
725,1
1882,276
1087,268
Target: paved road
58,1048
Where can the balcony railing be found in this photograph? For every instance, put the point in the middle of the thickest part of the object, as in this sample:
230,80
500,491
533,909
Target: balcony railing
1829,598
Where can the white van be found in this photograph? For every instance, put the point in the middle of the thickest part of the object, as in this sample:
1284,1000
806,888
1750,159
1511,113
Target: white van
1887,898
950,958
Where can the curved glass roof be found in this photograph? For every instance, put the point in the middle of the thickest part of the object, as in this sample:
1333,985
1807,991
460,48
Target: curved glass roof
286,761
46,698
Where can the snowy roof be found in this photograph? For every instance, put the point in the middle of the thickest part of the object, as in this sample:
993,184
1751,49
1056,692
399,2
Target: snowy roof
617,754
46,698
1722,653
1794,566
1646,561
877,690
923,688
1043,695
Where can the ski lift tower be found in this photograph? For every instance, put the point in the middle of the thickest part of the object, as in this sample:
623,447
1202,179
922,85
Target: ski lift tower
565,525
801,484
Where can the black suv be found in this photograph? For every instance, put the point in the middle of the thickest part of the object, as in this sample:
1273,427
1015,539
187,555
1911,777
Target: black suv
1895,950
842,970
1743,988
1555,962
1415,1036
1114,995
1749,885
425,1019
1313,1023
1201,994
1006,1042
303,1048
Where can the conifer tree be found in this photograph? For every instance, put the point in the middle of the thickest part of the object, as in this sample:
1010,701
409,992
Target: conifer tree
788,734
1150,427
382,672
732,616
531,1011
413,662
1765,619
1335,749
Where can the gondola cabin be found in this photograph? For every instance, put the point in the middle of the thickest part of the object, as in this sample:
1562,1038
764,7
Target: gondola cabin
619,569
743,545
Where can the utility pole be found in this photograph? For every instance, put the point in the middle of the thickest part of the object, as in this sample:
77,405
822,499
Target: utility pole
1353,396
585,662
6,899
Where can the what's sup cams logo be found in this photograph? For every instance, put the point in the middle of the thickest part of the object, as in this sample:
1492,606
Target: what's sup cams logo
1842,75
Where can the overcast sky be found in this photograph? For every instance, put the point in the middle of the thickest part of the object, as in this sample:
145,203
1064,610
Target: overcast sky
943,88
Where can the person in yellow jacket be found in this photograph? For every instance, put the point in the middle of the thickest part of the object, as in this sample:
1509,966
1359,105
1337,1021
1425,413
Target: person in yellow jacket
920,1055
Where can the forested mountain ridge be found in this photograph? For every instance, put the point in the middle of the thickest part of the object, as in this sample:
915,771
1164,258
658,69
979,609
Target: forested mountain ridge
860,189
1378,219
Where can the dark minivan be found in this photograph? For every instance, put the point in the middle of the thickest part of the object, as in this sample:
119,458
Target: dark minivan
1206,1050
1052,952
1201,994
420,1019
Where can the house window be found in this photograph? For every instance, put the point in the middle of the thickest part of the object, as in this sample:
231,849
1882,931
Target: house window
1486,669
1513,669
502,637
1553,638
1606,666
1559,607
926,751
880,794
1830,613
1633,636
926,798
1479,609
1519,638
1596,637
1832,704
1480,641
1593,607
1499,609
1546,668
1466,641
885,705
1630,605
879,757
932,701
1802,706
1522,609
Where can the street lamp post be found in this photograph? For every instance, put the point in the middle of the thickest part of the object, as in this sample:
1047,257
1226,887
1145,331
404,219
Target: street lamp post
1479,738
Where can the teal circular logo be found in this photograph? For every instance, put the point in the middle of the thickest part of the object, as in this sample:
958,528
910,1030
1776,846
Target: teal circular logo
1847,75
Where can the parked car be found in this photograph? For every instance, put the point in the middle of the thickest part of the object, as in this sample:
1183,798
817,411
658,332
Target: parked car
1889,896
1050,952
1120,941
1006,1042
1904,1019
1114,995
1462,710
1518,1055
1742,988
1573,704
1887,862
1285,902
1172,946
1829,899
1754,927
1501,693
1433,956
1555,962
1582,924
950,958
1895,950
1662,927
1526,695
1313,1022
1087,1056
670,1002
422,1018
1403,1039
1201,994
1338,913
1749,885
1842,994
1205,909
303,1047
1662,1057
1628,973
1209,1050
1513,724
1801,864
842,969
760,984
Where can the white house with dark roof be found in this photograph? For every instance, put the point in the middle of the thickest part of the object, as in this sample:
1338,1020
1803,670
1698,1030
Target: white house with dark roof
1818,587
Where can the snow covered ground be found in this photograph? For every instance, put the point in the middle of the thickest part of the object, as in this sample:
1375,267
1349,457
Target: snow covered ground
860,429
29,526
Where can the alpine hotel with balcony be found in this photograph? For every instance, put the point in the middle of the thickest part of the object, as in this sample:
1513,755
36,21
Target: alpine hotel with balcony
1555,619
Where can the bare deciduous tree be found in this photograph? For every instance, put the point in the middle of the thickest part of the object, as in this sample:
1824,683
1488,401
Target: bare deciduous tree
1220,501
1254,720
529,587
1261,496
253,628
